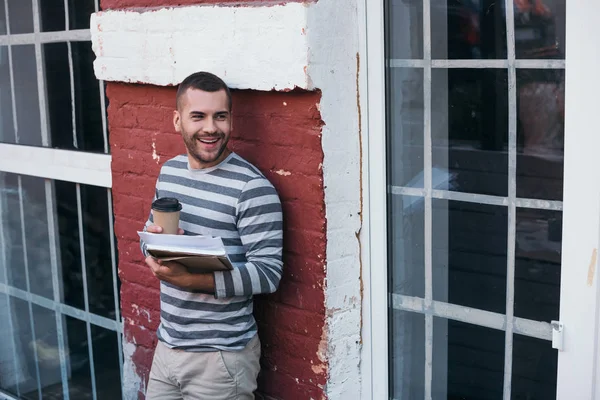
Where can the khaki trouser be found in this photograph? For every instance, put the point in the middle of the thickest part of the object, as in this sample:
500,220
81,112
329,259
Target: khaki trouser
215,375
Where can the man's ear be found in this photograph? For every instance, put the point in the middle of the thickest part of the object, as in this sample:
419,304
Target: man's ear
177,121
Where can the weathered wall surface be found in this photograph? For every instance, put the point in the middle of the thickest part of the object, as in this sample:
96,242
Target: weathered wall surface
304,136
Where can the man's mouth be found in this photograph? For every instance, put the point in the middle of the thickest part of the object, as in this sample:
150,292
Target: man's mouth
209,140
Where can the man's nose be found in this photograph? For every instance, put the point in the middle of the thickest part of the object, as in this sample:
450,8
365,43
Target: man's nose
209,126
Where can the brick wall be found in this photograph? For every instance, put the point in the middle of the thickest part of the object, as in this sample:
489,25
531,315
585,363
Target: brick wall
281,134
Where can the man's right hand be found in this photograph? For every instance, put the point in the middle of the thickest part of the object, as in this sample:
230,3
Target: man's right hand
158,229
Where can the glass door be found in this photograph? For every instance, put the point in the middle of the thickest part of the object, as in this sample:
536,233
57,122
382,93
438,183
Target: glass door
474,111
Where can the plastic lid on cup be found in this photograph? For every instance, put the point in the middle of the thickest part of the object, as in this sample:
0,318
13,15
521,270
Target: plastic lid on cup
166,204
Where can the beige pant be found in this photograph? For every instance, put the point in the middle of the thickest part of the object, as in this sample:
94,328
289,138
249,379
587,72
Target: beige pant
215,375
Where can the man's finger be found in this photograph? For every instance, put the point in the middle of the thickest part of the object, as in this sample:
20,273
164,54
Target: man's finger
154,229
180,231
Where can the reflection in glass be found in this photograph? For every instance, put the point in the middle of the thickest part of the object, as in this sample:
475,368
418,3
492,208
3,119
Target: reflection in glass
58,84
7,129
88,110
36,236
407,355
106,363
96,234
46,348
52,13
468,361
470,250
21,16
540,29
538,264
406,244
405,29
26,98
470,130
467,29
405,127
541,133
70,253
79,13
80,380
535,366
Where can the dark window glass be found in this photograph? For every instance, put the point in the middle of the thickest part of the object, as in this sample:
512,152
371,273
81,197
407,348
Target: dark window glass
540,29
407,355
406,244
470,254
538,264
468,361
470,130
468,29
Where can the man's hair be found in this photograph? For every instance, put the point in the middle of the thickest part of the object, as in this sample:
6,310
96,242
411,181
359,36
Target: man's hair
204,81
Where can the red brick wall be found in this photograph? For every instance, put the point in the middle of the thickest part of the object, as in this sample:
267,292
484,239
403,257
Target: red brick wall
281,134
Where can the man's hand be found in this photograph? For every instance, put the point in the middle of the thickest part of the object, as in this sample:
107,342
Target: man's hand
172,272
158,229
178,275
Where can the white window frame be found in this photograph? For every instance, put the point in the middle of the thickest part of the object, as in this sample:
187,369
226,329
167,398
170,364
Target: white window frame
580,293
66,165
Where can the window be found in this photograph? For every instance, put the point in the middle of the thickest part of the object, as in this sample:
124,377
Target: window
475,134
59,305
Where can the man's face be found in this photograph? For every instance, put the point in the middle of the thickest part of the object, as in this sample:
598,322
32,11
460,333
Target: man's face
204,121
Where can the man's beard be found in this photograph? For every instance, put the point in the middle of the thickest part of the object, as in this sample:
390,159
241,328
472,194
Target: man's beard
192,142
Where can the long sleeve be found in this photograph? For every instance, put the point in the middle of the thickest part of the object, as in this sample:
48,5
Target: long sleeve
259,223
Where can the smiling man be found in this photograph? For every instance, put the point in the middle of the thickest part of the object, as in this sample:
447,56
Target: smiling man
208,344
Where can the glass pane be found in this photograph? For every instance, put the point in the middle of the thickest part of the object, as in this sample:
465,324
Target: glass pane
538,264
106,363
36,235
470,130
405,129
27,99
97,250
80,12
80,381
468,361
470,254
405,29
53,15
47,351
406,244
88,115
535,366
541,133
70,249
3,27
13,236
540,29
20,369
58,85
7,128
407,352
468,29
21,16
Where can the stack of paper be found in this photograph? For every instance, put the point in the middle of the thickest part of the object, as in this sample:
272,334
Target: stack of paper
197,253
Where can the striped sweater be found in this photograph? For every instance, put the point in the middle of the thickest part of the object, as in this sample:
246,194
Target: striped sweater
235,201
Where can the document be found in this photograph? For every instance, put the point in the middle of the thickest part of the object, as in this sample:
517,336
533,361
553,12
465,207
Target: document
198,253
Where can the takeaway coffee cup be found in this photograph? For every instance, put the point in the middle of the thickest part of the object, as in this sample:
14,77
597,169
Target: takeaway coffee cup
166,214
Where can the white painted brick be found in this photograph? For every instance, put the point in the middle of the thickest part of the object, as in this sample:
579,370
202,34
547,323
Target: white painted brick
259,48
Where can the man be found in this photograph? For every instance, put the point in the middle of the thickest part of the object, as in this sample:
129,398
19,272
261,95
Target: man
208,345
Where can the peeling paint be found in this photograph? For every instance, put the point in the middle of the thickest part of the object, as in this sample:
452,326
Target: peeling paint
132,382
592,268
283,172
155,156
